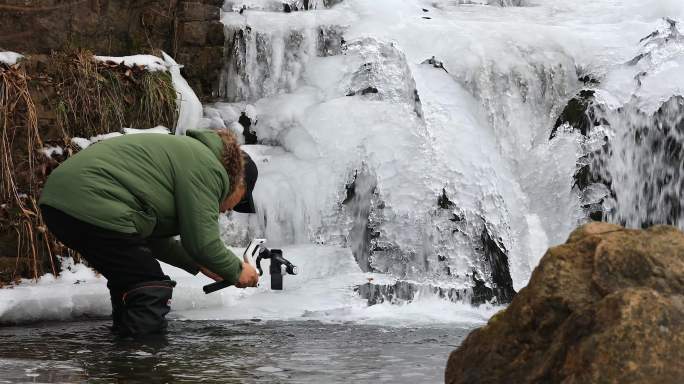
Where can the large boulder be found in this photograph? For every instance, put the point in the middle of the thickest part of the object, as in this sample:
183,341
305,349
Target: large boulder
605,307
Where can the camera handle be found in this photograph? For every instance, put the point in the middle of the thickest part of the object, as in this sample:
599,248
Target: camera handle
252,249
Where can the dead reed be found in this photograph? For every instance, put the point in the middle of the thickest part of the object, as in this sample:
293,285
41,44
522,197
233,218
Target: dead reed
19,165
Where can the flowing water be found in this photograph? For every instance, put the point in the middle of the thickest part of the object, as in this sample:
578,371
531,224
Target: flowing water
228,352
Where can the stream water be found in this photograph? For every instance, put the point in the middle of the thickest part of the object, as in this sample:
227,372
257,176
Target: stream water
228,352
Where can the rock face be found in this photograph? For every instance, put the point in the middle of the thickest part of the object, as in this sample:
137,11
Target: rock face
605,307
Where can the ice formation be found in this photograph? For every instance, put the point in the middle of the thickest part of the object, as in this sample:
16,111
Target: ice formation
422,142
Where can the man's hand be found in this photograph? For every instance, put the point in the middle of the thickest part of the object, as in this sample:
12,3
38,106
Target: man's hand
249,276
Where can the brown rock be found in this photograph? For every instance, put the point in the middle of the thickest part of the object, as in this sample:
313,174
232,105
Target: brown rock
194,33
198,12
605,307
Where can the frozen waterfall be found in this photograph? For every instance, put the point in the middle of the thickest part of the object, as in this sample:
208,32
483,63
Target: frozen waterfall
416,133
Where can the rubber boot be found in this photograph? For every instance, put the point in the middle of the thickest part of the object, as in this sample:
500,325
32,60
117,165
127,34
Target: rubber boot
116,296
144,307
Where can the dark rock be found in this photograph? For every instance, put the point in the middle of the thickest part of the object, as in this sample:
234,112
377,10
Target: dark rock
496,257
194,33
605,307
365,91
435,63
402,292
330,3
444,202
588,80
246,122
198,12
577,113
358,202
204,71
350,189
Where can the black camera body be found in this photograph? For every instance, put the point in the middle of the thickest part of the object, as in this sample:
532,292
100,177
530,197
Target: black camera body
276,267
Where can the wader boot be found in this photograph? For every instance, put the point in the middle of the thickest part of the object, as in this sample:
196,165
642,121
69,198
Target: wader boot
116,296
144,307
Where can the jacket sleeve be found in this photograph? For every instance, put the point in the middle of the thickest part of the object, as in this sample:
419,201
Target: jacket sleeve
198,191
170,251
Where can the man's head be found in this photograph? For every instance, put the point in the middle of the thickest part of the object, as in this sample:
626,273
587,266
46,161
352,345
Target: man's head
242,173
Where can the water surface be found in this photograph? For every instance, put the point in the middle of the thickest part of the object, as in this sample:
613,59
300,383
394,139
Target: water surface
228,352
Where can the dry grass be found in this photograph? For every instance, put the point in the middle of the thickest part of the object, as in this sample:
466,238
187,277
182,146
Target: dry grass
90,98
96,97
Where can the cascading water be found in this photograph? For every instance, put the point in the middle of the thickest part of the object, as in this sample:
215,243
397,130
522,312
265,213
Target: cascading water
631,170
429,157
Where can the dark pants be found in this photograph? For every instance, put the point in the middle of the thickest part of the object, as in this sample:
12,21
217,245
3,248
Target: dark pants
139,290
123,259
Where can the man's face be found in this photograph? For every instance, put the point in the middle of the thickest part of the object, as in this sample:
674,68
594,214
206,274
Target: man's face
233,199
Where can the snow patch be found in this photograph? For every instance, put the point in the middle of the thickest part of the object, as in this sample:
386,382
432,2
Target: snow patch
189,105
51,151
149,62
158,129
10,58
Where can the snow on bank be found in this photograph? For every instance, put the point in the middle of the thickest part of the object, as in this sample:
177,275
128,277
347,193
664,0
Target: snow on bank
149,62
84,143
189,105
322,291
160,129
10,58
76,292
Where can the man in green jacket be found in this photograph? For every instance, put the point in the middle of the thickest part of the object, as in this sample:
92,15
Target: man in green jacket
121,202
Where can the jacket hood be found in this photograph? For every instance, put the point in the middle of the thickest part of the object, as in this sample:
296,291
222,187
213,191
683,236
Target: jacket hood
210,139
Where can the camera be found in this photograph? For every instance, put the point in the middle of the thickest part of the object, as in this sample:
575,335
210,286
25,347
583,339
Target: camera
275,270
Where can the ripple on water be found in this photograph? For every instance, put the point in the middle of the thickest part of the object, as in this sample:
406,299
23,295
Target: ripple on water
220,351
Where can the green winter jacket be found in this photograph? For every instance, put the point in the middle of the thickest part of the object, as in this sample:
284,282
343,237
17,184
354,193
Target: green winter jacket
157,186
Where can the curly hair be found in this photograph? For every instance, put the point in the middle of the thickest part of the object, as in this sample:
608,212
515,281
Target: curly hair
232,158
